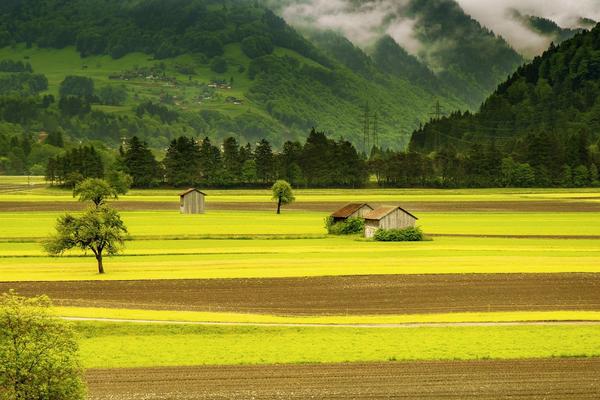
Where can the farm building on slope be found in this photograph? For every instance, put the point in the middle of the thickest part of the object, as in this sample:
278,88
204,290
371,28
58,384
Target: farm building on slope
389,217
351,210
191,202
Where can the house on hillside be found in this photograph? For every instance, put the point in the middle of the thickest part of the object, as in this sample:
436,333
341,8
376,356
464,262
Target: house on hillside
351,210
191,202
388,217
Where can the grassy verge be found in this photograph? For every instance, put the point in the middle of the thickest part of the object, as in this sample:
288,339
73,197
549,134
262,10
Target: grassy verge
108,345
222,317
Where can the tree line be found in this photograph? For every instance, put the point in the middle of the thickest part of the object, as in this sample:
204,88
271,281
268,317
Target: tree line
538,160
319,162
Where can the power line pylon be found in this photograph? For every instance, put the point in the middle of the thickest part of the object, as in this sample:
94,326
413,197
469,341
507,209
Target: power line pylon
366,130
437,114
438,111
370,130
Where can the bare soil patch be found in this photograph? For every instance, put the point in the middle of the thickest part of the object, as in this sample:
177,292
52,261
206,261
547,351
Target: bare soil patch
413,206
547,379
356,295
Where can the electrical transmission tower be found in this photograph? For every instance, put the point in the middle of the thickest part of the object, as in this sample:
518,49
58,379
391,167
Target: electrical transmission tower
438,111
437,114
370,130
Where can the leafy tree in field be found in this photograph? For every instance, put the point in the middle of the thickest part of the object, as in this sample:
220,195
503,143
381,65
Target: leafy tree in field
119,180
38,353
99,230
96,190
283,194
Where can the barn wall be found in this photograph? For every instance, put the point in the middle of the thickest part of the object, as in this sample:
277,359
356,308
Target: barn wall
370,228
397,220
193,203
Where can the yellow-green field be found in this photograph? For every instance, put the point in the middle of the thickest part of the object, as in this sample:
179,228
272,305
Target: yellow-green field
40,192
194,259
169,225
247,318
108,345
260,244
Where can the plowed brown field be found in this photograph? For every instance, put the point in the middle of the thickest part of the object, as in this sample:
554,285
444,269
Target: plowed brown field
387,294
524,379
421,206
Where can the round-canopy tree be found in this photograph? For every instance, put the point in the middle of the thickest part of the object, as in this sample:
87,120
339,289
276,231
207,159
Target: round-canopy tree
95,190
38,353
100,230
283,194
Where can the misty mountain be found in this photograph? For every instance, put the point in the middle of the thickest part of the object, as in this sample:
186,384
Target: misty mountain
556,96
467,58
546,27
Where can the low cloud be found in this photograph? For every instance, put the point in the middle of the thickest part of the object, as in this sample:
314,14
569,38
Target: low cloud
363,24
497,15
365,21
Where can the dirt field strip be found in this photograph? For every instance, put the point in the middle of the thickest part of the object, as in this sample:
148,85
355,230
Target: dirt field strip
414,206
344,295
548,379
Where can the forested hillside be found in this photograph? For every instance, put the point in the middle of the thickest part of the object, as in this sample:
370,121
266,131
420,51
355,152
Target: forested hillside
160,70
543,123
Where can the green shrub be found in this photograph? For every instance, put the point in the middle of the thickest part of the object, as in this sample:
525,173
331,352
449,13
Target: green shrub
399,235
350,226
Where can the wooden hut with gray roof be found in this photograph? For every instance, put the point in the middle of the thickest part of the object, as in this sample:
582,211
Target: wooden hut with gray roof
388,217
351,210
191,202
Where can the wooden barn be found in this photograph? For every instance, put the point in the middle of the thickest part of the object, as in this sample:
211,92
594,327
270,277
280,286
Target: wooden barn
388,217
350,211
192,202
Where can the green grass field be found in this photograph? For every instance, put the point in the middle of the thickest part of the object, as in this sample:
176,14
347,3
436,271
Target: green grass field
57,64
167,224
251,244
306,257
108,345
277,240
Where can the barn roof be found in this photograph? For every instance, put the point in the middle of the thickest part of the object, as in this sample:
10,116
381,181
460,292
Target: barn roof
383,212
349,209
190,191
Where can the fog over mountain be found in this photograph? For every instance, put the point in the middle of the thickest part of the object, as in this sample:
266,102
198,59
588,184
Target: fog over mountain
498,16
363,22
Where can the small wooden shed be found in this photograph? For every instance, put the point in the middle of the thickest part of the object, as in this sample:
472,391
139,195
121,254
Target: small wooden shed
192,202
388,217
350,211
